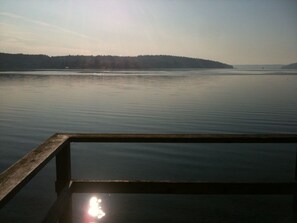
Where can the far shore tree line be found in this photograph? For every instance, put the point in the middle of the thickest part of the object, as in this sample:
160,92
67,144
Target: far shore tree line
24,61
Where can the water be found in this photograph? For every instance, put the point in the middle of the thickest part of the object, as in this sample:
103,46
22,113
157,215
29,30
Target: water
36,104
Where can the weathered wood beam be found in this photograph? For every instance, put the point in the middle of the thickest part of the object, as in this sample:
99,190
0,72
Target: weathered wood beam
16,176
184,138
169,187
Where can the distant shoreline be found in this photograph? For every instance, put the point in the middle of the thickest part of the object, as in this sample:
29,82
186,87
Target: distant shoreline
19,62
290,66
86,70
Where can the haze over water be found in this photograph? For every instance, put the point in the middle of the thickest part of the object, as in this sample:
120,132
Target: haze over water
36,104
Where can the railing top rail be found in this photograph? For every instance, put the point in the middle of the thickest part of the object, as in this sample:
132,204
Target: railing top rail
16,176
183,138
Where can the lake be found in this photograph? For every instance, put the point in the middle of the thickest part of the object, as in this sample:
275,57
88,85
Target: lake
36,104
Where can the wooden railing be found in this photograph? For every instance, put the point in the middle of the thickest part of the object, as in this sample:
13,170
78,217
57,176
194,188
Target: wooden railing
14,178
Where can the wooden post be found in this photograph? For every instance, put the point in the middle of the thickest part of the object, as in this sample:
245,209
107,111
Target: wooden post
63,174
295,192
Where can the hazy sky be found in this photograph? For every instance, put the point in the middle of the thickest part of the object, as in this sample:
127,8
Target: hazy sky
231,31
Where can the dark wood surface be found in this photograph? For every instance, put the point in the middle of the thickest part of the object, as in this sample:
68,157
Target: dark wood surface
16,176
169,187
184,138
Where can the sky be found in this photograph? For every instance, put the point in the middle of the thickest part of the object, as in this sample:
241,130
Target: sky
230,31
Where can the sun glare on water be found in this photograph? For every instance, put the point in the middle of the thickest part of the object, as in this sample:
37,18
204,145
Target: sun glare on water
95,209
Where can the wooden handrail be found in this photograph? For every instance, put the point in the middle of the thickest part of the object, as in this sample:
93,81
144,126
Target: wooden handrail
184,138
58,145
15,177
171,187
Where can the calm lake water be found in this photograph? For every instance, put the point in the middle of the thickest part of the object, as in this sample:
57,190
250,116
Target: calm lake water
36,104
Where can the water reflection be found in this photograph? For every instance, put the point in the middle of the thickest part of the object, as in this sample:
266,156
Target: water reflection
95,210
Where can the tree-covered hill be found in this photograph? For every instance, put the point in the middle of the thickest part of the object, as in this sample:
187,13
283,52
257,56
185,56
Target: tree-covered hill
23,61
290,66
